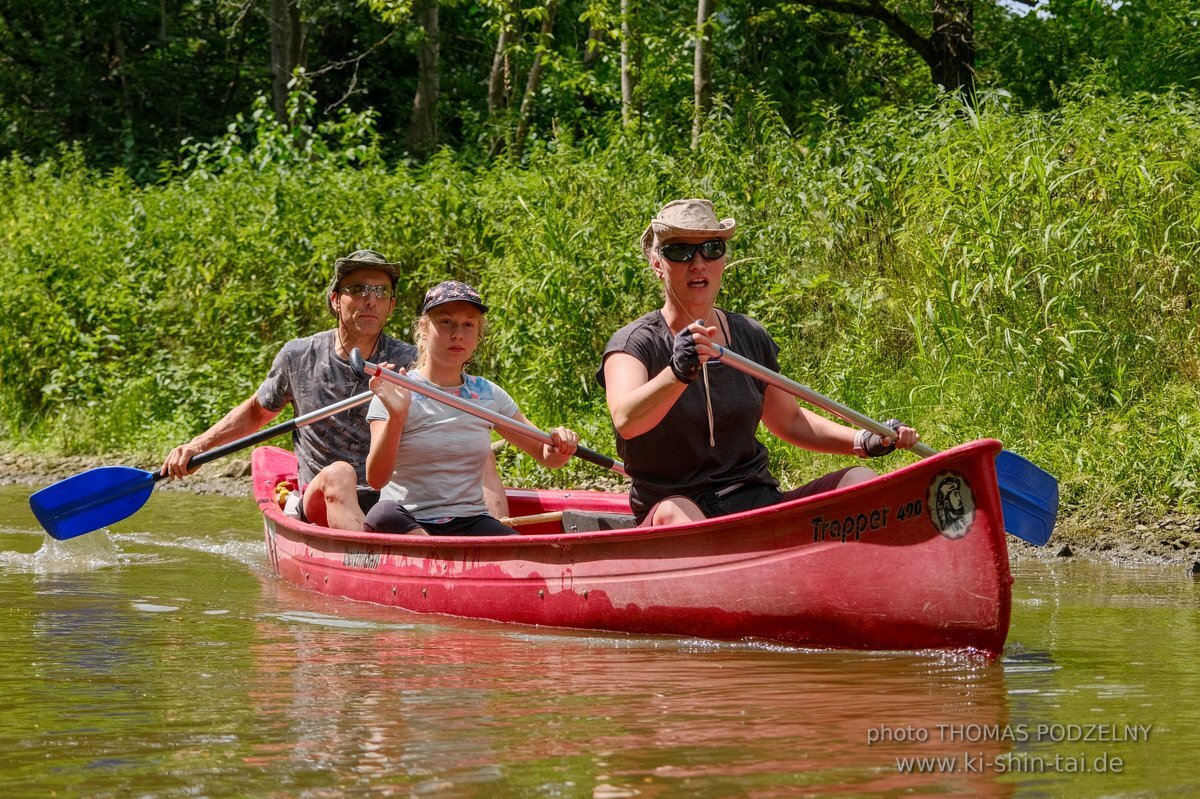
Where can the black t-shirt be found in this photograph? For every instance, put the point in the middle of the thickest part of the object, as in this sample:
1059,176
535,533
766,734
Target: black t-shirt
675,458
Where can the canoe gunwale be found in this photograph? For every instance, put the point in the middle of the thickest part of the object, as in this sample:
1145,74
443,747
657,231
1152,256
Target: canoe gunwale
269,506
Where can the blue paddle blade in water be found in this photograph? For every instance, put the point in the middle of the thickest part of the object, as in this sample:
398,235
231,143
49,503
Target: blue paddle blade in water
92,499
1029,498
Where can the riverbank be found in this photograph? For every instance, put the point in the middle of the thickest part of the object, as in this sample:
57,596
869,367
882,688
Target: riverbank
1114,534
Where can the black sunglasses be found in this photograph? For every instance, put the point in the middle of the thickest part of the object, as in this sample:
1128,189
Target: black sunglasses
684,253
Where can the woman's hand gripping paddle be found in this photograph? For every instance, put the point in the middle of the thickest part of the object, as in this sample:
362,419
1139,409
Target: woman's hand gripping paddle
1028,493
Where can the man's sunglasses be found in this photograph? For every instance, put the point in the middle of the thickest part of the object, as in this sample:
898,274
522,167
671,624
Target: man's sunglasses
363,290
684,253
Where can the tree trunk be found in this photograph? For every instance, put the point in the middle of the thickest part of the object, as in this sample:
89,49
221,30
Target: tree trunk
422,128
498,78
118,67
588,109
953,44
702,70
627,63
285,53
535,79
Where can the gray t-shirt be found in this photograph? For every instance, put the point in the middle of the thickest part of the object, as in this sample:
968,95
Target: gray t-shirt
308,373
439,464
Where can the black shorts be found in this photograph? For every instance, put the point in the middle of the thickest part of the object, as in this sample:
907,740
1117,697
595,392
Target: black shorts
391,517
736,499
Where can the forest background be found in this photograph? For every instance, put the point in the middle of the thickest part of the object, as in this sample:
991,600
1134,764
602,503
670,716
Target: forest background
981,218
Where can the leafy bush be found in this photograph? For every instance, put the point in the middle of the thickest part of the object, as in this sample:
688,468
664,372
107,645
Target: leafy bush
1021,275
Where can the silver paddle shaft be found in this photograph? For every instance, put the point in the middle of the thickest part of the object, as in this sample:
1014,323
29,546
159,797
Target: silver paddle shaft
267,433
500,420
839,410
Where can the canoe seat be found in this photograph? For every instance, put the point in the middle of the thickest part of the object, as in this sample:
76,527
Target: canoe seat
581,521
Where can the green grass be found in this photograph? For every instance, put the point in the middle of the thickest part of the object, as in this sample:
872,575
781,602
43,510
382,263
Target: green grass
993,273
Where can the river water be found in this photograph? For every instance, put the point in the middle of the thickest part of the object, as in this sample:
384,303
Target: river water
160,658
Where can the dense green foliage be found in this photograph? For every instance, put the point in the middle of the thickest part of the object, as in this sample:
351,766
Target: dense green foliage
129,80
1029,276
1139,47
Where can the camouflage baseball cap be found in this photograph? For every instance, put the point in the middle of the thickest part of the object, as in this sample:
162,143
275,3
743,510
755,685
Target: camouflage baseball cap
359,259
451,291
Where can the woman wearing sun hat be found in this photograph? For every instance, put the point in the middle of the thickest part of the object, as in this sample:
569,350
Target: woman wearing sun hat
426,457
686,425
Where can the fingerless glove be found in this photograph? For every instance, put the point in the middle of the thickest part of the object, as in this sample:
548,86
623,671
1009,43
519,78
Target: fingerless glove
870,445
685,363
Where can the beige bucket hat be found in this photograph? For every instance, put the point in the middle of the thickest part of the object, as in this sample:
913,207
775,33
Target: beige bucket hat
691,219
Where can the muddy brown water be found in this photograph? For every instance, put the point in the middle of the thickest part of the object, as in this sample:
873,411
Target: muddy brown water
160,658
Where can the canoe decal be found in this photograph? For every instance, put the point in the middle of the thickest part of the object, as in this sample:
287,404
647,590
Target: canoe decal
852,527
360,558
951,504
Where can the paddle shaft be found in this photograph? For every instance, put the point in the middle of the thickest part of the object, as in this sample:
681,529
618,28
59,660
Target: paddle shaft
537,518
1028,494
466,406
267,433
106,494
843,412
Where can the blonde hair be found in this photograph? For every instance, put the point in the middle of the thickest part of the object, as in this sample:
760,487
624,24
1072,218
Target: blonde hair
418,328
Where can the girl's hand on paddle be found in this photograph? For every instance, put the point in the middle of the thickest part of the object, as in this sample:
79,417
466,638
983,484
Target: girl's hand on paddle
565,442
395,398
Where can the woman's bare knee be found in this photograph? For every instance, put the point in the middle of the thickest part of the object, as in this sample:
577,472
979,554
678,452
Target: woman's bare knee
674,510
856,475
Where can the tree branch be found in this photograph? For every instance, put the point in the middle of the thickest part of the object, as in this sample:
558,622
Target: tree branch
895,23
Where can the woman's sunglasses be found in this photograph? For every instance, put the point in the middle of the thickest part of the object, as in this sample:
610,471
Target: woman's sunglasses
684,253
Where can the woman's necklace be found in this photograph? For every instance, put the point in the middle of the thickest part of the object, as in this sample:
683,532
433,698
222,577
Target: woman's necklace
712,433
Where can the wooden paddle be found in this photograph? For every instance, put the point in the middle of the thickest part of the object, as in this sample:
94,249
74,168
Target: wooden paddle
466,406
536,518
1028,494
98,497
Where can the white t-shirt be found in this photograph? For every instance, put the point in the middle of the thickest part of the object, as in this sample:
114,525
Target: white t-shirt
439,465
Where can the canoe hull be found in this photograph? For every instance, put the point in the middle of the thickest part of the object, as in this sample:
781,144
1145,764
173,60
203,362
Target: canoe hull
913,560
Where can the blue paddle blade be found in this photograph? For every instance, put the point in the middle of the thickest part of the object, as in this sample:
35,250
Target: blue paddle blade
1028,497
90,500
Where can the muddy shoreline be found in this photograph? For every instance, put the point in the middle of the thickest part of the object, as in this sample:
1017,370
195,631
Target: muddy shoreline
1116,534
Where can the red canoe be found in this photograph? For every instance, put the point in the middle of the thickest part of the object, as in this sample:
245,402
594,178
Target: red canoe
914,560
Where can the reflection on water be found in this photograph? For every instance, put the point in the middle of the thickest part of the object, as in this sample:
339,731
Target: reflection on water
160,659
456,703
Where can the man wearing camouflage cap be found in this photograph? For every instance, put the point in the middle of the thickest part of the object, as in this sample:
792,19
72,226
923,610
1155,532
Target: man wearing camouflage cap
314,372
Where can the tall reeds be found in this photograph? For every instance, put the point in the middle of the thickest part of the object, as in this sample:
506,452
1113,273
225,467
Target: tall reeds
978,272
